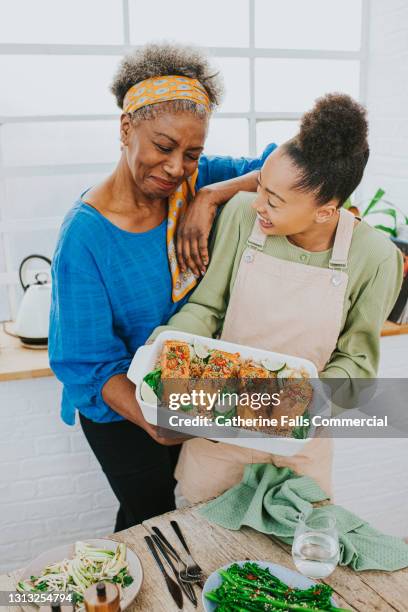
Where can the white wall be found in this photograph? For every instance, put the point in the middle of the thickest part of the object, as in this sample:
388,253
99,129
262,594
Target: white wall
52,490
387,101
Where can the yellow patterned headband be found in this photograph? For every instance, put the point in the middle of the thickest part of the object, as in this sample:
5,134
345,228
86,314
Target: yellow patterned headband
162,89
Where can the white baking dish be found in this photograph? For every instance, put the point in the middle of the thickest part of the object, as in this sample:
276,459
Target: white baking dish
145,361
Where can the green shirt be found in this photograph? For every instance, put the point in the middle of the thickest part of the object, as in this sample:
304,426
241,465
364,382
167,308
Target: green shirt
374,280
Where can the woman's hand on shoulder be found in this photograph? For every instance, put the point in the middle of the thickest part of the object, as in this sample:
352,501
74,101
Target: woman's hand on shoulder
194,227
193,232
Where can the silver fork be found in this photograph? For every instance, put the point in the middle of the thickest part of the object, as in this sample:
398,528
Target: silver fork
186,587
198,579
170,549
193,570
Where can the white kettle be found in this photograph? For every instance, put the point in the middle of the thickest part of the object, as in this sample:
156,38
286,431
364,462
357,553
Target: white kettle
32,320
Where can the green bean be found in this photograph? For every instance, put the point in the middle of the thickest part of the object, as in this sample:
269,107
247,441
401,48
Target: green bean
213,597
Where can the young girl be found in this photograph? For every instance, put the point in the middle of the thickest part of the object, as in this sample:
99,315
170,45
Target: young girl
294,272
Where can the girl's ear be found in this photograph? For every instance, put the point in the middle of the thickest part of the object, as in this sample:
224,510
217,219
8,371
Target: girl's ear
124,129
326,212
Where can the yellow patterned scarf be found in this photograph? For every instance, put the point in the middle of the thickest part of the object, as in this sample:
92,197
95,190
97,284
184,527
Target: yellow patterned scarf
162,89
178,202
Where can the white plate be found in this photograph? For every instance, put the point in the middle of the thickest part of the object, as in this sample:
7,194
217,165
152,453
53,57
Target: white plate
291,578
145,361
67,551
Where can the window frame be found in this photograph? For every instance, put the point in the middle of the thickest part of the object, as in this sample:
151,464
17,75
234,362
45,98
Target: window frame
9,278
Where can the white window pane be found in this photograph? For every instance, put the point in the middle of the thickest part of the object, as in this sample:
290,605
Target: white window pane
274,131
67,142
292,85
40,242
308,24
57,85
44,196
235,72
56,21
212,24
227,137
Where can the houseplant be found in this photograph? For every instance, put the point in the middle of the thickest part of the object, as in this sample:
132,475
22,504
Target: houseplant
390,209
399,222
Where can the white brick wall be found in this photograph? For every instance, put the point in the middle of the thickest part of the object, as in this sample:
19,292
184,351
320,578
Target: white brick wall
387,101
52,489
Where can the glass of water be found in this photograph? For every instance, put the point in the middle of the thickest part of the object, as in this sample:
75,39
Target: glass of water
315,549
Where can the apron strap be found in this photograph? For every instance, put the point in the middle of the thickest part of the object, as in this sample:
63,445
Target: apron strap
342,241
257,238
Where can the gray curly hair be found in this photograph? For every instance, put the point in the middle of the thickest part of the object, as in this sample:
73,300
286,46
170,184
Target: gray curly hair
161,60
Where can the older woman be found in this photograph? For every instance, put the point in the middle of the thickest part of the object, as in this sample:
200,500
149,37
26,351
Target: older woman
119,270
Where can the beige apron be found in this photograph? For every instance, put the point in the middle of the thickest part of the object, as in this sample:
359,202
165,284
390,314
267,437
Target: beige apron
285,307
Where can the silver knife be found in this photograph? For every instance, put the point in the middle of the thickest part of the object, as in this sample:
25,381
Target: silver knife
172,586
171,550
185,586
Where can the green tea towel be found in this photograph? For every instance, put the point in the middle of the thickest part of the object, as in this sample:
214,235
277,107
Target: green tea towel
269,499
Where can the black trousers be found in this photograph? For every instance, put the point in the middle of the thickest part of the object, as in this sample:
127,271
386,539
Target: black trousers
139,470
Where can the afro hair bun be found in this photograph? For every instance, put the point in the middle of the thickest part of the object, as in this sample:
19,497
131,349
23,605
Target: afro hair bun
335,128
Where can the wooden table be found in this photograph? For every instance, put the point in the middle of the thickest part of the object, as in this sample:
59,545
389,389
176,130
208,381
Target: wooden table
394,329
18,362
214,546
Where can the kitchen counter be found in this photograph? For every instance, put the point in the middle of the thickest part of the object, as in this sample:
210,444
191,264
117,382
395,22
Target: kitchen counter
393,329
18,362
214,546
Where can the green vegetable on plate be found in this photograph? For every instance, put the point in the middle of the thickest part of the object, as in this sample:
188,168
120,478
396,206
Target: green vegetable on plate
251,588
